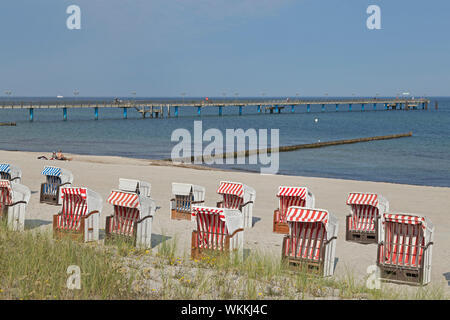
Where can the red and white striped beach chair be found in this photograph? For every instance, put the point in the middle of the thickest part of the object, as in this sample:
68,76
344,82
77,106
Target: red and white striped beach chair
311,243
10,172
404,250
364,223
132,218
184,196
14,198
56,178
288,197
219,230
238,196
79,216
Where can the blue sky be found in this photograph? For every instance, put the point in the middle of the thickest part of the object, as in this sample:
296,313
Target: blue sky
210,47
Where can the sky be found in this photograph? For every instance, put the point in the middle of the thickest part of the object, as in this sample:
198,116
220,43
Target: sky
163,48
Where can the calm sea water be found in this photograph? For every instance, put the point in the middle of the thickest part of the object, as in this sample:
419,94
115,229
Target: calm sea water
423,159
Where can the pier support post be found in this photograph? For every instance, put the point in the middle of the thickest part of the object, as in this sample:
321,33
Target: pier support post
259,108
362,106
385,106
349,107
293,108
199,110
65,114
436,105
31,114
240,110
277,110
374,106
96,113
323,107
308,108
125,113
220,110
337,107
176,111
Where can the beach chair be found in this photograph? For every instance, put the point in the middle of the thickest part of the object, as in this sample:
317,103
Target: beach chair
363,224
10,172
56,178
311,243
238,196
133,216
404,249
14,198
131,185
79,216
218,230
288,197
185,195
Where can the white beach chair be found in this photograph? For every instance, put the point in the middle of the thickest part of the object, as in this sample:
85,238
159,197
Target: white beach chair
133,213
311,243
56,178
10,172
184,196
218,230
79,216
239,196
404,249
364,223
14,198
288,197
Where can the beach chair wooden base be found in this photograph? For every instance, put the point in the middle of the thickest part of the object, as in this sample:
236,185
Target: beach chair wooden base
59,233
197,253
112,236
279,227
362,237
180,215
305,265
402,275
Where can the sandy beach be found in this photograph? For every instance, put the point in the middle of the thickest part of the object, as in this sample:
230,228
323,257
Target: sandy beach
101,174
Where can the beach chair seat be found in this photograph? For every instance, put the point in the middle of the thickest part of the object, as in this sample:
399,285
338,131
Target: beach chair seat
79,216
132,218
14,198
364,223
311,242
405,248
10,172
288,197
184,196
218,231
56,178
238,196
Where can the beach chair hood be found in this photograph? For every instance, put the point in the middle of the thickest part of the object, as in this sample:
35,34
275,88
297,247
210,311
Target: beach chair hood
65,175
13,171
93,200
18,191
237,189
408,218
302,214
185,189
131,185
369,199
132,200
233,218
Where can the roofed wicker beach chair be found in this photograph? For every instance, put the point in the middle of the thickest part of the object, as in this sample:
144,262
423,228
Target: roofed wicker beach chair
185,195
288,197
404,249
133,214
10,172
14,198
79,216
218,230
56,178
311,243
363,224
237,195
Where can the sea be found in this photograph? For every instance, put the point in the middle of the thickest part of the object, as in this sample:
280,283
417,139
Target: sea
423,159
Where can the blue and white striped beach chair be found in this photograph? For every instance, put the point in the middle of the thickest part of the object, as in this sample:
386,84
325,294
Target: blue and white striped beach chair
55,179
10,172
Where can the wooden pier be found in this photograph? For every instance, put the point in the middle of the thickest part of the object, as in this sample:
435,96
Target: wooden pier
171,107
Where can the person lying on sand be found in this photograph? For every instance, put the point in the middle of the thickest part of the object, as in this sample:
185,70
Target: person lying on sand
60,156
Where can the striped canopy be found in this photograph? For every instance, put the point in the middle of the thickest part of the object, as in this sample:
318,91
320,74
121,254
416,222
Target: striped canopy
6,168
370,199
5,184
299,214
124,199
405,218
232,188
292,192
82,192
208,210
51,171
